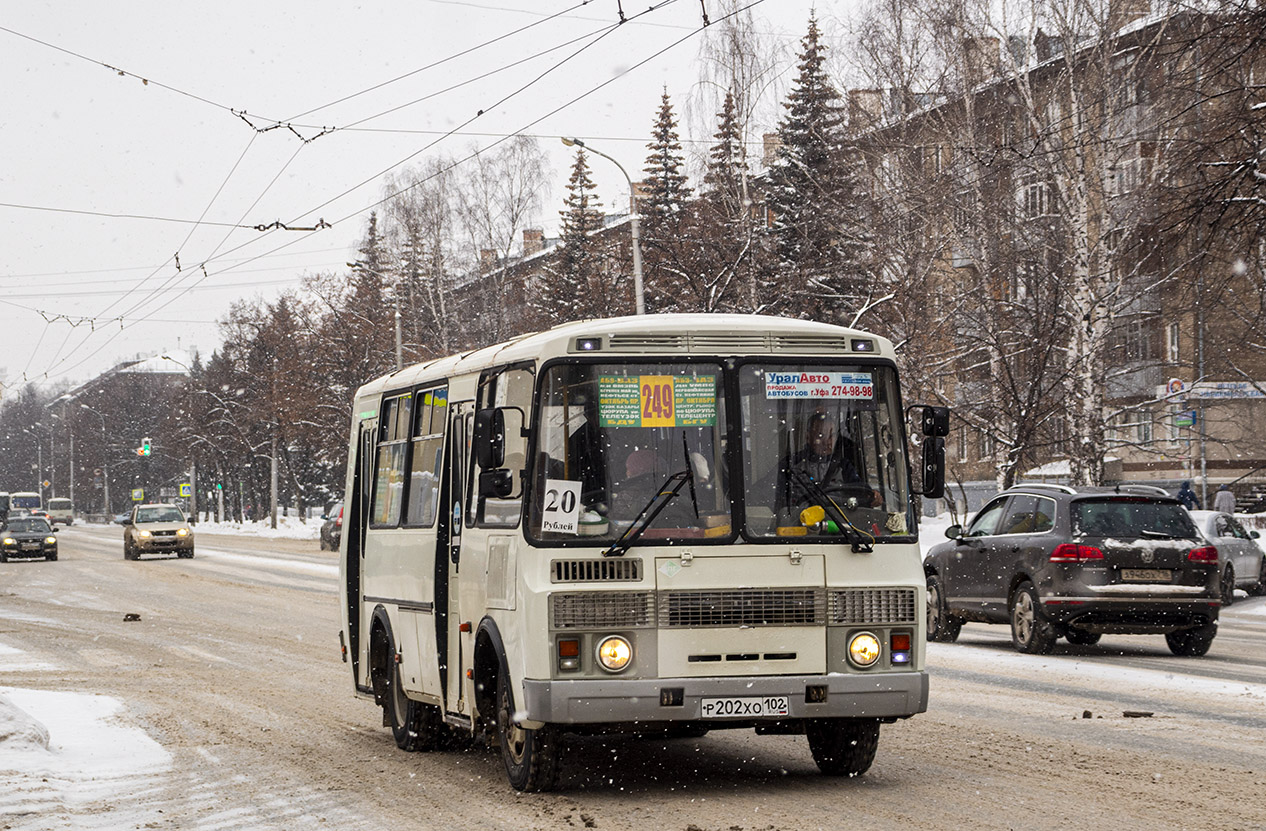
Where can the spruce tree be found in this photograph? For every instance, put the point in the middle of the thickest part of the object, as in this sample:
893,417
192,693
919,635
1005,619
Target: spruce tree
820,238
727,161
664,210
580,282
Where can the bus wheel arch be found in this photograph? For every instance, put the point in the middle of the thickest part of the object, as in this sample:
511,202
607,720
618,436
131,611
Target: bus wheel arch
489,665
381,655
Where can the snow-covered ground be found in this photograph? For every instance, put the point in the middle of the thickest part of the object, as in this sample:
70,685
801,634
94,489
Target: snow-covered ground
288,527
67,749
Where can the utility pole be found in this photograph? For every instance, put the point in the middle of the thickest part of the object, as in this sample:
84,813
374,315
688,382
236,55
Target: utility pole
273,481
193,492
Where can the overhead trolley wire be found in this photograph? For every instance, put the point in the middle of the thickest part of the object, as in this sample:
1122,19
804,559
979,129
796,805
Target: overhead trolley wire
582,96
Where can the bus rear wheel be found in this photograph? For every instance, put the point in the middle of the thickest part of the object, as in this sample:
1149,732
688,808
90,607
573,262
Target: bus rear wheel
415,726
843,746
532,757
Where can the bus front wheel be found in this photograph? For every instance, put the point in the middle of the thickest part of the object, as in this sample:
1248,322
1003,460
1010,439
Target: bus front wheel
843,746
532,757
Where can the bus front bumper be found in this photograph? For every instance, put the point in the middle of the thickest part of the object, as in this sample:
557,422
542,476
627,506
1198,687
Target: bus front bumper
600,701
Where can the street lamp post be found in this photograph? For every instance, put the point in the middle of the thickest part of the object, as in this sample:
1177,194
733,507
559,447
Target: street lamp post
638,297
105,465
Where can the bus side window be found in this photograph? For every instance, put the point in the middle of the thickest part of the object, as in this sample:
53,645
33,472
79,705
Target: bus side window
510,388
428,451
389,468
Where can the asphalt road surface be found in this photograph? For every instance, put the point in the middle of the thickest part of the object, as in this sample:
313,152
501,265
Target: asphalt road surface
233,668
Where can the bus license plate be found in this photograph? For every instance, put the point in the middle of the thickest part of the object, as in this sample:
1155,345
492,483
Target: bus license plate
1145,575
774,705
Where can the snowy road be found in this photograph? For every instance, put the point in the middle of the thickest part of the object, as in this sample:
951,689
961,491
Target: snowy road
225,706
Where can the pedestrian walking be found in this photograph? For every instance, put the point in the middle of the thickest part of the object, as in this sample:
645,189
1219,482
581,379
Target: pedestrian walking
1224,500
1188,497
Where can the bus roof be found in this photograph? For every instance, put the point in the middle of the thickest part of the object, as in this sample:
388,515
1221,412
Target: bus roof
658,334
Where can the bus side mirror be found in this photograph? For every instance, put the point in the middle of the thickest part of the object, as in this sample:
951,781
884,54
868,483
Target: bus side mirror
496,483
934,467
936,421
490,438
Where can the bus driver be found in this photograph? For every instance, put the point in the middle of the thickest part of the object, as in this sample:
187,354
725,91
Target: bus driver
822,459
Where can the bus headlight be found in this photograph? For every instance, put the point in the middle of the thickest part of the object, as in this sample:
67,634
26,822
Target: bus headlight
863,649
615,653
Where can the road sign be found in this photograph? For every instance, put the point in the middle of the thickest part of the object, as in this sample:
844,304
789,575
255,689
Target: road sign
1186,418
138,494
46,483
186,489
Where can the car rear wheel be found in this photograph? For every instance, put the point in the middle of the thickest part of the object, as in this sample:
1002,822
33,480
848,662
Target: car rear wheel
1081,637
843,746
1192,642
1259,588
1031,632
1227,588
942,626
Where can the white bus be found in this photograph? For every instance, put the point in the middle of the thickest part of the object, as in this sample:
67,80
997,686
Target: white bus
669,523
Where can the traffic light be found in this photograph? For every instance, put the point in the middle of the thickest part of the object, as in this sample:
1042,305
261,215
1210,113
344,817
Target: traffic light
145,446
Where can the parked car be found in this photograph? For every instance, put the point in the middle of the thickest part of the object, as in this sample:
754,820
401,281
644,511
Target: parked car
332,527
1243,565
1057,561
28,537
157,528
61,510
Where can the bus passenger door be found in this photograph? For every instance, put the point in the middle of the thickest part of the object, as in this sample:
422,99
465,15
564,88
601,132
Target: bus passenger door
356,520
450,640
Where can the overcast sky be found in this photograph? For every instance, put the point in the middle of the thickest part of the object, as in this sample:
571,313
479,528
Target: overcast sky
124,148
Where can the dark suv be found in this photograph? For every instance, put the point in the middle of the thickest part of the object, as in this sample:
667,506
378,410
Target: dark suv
1055,561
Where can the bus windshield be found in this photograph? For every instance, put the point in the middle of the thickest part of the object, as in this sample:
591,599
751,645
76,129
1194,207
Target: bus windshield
613,436
30,501
820,442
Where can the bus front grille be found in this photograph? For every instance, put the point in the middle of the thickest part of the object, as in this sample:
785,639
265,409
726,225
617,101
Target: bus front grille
743,607
624,569
867,606
595,610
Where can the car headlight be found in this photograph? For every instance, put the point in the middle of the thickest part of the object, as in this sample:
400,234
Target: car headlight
10,541
182,532
51,540
145,534
863,649
615,653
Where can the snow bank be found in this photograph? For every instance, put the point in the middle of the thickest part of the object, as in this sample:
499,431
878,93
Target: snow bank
288,527
71,738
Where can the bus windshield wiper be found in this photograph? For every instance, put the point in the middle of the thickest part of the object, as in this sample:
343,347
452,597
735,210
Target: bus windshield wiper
664,494
861,542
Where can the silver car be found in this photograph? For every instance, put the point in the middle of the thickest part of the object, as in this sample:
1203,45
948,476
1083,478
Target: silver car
1243,563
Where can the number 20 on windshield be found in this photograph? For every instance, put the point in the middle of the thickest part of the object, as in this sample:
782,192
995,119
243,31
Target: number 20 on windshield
657,401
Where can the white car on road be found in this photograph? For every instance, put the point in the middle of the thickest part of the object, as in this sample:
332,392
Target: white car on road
1242,560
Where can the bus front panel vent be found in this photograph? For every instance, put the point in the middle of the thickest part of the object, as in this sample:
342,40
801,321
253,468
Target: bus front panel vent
623,570
602,610
872,606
